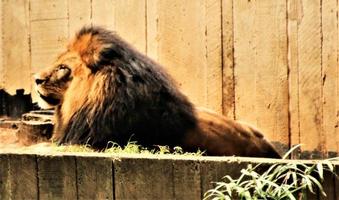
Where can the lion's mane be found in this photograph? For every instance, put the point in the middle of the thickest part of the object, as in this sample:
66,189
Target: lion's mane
128,97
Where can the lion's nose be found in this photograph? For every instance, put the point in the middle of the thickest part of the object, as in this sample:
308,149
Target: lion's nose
38,79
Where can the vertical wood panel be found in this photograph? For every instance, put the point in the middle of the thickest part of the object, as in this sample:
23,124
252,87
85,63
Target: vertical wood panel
261,67
131,27
49,31
329,138
94,178
126,17
4,177
57,177
228,96
310,79
48,39
152,20
186,37
80,13
186,173
15,45
220,169
103,12
184,43
22,182
2,81
213,55
294,18
48,9
139,178
244,60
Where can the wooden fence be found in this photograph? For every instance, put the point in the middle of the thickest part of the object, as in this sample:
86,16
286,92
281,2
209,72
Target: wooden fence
273,64
102,176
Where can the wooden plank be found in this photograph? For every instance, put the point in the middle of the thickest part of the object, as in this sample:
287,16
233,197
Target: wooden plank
94,178
228,93
186,178
213,55
103,13
329,137
48,9
23,182
57,177
4,177
185,54
79,15
48,39
131,27
329,187
310,79
244,60
261,67
337,182
143,179
294,18
15,45
220,169
2,80
152,39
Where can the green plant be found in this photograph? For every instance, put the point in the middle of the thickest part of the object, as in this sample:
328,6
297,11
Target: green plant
134,148
280,181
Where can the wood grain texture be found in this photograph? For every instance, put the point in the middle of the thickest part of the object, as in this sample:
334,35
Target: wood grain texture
220,169
186,173
213,55
245,59
4,177
94,178
152,21
79,15
48,9
57,177
103,13
185,55
2,81
261,71
22,177
15,45
329,187
139,178
48,39
329,138
228,93
294,18
310,77
131,27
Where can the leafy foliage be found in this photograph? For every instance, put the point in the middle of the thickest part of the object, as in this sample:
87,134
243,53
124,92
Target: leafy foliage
280,181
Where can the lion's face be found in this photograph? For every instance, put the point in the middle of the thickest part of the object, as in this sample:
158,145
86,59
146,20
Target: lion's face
52,83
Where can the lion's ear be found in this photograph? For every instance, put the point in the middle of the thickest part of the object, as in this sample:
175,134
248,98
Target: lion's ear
89,48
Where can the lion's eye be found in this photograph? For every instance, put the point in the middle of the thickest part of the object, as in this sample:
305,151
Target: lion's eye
62,66
62,71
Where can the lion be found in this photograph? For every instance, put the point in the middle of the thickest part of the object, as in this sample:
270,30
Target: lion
103,90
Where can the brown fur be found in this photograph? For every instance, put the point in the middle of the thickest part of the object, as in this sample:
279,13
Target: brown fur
104,90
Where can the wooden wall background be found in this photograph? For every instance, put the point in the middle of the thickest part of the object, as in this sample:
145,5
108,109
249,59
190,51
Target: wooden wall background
273,64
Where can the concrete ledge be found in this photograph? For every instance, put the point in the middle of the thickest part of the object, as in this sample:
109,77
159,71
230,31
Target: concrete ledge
57,175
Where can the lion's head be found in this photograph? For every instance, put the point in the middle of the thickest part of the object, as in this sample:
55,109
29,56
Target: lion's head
78,61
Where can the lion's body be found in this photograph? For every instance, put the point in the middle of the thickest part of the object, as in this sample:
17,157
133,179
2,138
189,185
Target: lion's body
114,93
